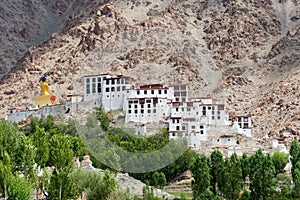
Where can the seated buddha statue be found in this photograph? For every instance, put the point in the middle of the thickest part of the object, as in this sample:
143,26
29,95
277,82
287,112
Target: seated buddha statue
46,97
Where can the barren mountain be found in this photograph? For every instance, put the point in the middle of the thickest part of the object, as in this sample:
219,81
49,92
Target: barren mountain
243,52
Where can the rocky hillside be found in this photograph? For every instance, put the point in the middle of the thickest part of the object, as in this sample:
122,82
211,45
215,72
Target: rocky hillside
244,52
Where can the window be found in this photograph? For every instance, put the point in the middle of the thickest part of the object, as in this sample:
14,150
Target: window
188,109
154,110
177,128
159,91
193,127
118,81
107,89
183,128
148,101
149,105
135,106
124,88
142,111
177,120
246,119
142,105
118,88
129,106
107,82
99,87
113,89
88,90
149,111
113,81
209,108
145,91
201,132
176,87
137,92
135,111
220,107
201,126
93,85
129,111
166,91
152,91
173,134
177,109
212,112
228,140
246,125
212,117
218,117
182,109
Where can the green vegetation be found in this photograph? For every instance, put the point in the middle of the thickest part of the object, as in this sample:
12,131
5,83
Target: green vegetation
50,142
216,177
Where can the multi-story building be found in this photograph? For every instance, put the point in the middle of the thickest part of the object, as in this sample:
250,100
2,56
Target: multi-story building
148,103
109,89
191,119
244,122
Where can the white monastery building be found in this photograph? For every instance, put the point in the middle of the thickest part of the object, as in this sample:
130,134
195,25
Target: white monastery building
189,118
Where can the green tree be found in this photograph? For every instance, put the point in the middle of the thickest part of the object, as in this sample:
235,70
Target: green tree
95,185
230,180
103,118
5,173
201,175
61,186
296,179
40,140
295,159
245,164
216,160
19,189
261,176
280,160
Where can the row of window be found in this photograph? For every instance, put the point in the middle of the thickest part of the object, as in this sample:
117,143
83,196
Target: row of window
138,92
141,111
174,134
130,106
107,82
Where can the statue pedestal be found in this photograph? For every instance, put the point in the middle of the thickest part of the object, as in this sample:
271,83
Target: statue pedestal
45,100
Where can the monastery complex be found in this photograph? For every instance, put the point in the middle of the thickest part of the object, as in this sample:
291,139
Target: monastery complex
203,122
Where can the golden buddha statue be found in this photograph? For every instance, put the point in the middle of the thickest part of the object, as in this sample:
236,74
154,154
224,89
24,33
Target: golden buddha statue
46,97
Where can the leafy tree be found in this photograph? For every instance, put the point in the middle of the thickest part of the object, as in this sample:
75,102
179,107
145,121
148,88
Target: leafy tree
216,160
296,179
5,173
103,118
95,185
40,140
19,189
201,174
261,175
280,160
18,147
245,164
295,159
236,177
61,187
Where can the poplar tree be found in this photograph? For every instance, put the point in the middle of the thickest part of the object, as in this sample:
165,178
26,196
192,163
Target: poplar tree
216,162
295,159
261,175
201,175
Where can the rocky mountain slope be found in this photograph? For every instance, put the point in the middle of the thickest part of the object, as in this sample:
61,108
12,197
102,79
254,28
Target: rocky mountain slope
243,52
